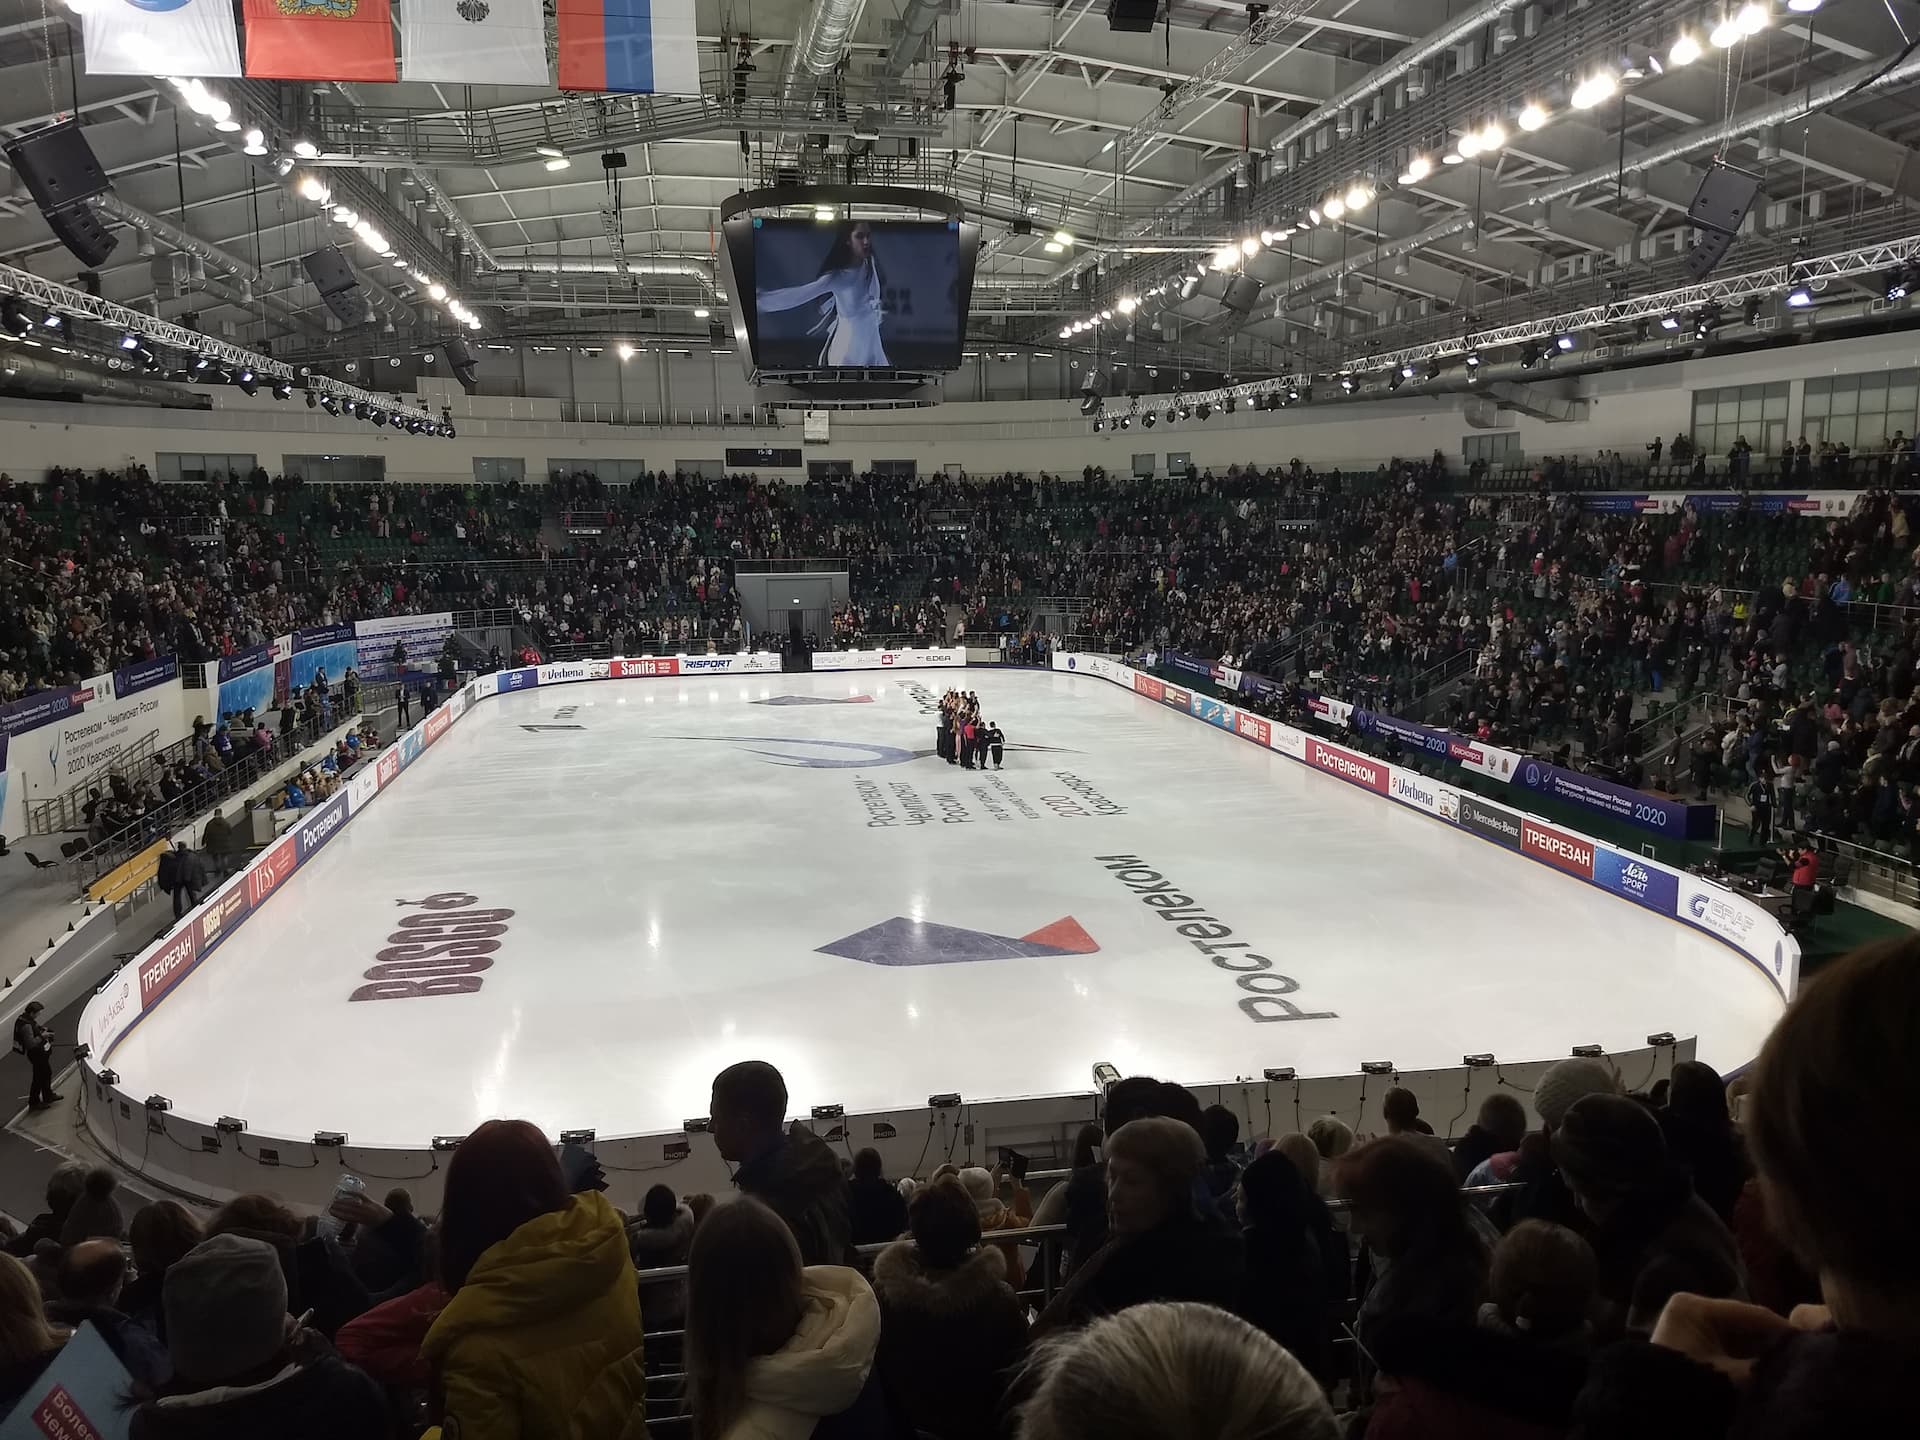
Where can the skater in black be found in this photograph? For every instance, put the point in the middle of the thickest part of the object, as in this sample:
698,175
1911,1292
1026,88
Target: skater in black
943,737
996,742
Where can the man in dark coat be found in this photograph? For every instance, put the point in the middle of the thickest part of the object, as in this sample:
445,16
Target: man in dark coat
878,1212
791,1171
189,876
35,1041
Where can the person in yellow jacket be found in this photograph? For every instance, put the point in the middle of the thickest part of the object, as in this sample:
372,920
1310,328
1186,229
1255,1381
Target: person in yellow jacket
541,1338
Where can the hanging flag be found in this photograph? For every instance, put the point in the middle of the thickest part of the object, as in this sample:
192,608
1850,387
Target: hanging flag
161,37
474,42
647,47
319,40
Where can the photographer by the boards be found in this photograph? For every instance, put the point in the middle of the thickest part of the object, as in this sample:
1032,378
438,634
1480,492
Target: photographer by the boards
35,1041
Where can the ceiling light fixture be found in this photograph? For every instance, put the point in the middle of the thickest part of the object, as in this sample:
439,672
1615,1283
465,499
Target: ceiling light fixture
1725,35
559,162
1333,207
1360,196
306,149
1493,136
1685,49
1418,168
1800,296
1469,145
552,152
1595,88
1452,157
1062,237
1751,18
1532,115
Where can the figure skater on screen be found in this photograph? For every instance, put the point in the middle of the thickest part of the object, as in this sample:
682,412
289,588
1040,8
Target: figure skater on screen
849,287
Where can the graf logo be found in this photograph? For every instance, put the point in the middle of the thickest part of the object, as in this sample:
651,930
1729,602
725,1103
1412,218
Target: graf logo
1697,906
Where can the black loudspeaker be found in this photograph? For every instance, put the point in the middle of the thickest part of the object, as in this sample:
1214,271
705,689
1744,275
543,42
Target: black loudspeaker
1241,293
83,232
460,356
339,287
1718,210
1136,15
62,174
58,166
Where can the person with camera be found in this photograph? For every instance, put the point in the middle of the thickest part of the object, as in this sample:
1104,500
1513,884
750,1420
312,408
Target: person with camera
35,1041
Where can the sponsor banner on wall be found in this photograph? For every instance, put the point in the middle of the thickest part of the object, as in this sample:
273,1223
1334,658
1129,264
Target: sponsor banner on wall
1639,879
321,826
87,738
1813,504
1361,770
516,680
886,659
132,679
437,723
644,666
388,766
1663,814
48,706
1631,504
112,1011
165,967
1289,741
1229,676
316,636
244,662
1444,744
1559,848
423,635
1149,686
1253,727
1734,918
564,672
1334,712
220,915
1177,696
411,744
364,785
1410,787
1214,712
274,865
1187,664
1489,821
457,703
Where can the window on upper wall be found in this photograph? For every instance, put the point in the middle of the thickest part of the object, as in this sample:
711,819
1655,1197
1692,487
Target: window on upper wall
1498,447
1756,412
1179,462
336,469
607,472
498,469
1144,464
198,469
1861,412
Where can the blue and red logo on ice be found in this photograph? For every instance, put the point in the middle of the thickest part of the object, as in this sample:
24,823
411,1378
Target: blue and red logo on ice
901,941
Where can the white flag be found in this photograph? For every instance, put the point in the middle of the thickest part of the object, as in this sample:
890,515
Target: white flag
161,37
476,42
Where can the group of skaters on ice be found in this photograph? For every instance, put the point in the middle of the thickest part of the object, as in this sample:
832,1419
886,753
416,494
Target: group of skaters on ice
965,739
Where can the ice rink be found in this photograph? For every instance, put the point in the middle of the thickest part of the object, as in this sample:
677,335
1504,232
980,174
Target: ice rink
686,873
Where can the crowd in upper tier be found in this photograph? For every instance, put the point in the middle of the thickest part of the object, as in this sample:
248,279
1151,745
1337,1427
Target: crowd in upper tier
1372,587
1578,1263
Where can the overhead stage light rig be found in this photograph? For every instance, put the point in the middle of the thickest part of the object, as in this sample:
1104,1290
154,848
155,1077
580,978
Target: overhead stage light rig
63,302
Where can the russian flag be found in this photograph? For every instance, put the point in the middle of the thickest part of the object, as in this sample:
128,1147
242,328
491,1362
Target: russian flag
647,47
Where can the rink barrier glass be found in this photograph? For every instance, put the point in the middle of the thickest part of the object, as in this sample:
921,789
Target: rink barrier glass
216,1158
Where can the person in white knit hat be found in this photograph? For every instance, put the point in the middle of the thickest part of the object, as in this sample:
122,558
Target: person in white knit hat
1547,1196
984,1188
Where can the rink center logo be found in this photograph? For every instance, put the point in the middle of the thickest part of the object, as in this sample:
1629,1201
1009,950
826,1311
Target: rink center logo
901,942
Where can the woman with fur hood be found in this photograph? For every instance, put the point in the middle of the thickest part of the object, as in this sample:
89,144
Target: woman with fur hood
952,1331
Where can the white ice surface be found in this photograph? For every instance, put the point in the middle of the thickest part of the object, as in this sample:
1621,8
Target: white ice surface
670,886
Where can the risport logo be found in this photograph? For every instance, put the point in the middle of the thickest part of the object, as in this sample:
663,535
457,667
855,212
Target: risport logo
169,963
1356,769
901,942
321,825
1571,853
273,867
814,700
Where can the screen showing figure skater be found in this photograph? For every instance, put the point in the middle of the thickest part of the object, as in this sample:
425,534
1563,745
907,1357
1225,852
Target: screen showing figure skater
859,294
